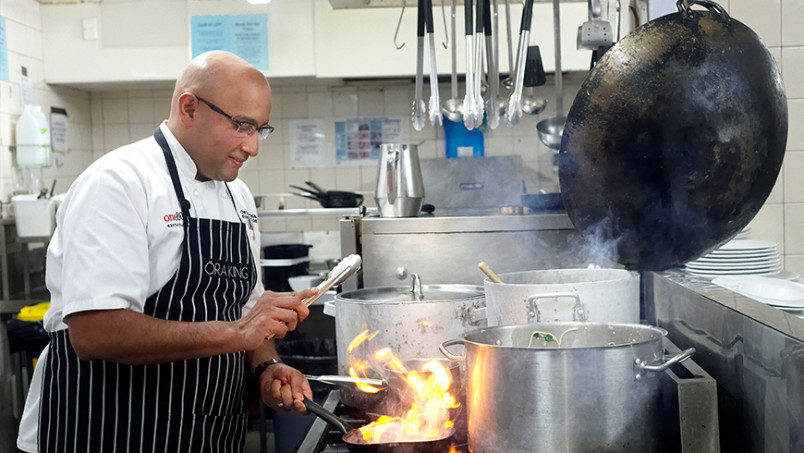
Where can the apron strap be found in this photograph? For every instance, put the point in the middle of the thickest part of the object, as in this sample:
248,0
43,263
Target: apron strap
174,175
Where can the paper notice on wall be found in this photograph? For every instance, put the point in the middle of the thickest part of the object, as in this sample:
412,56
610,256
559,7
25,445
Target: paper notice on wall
245,35
358,140
306,143
58,130
3,50
26,88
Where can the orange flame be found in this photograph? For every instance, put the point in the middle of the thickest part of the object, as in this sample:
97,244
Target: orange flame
428,416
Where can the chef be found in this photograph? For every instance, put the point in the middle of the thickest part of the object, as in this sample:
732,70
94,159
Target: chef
157,310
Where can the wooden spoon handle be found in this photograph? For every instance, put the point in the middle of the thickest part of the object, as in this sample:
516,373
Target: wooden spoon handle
489,273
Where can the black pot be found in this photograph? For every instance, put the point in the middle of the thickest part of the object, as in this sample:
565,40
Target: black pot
275,278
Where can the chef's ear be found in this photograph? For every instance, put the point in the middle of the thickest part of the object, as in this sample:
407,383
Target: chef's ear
188,104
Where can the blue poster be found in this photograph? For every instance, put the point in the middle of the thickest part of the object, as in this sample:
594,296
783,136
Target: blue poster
245,35
3,50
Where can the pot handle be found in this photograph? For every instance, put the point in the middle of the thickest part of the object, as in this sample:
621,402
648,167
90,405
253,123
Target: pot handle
579,312
443,347
641,367
329,308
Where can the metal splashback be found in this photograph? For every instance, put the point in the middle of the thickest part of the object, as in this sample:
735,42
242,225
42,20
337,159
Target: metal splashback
475,184
447,250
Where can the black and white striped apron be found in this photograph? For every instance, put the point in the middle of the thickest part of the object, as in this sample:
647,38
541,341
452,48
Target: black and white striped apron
185,406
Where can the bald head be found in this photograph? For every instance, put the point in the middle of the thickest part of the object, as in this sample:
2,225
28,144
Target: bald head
214,86
217,74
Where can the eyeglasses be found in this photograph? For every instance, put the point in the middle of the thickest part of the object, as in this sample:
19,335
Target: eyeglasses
241,127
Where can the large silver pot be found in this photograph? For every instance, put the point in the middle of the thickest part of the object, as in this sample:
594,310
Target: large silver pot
598,392
598,295
412,322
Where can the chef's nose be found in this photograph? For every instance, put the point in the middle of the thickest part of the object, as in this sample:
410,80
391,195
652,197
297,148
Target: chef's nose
251,145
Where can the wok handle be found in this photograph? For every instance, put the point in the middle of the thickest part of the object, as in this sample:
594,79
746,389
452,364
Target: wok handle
641,367
331,418
444,345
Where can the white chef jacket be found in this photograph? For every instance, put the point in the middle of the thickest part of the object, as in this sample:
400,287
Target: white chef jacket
122,239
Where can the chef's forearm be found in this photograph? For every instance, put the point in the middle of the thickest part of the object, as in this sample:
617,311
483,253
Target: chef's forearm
133,338
262,354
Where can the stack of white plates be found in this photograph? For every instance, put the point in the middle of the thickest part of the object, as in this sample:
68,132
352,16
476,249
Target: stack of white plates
782,294
739,257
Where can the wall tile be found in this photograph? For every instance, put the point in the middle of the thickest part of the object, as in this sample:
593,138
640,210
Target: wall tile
795,263
141,110
793,182
344,103
397,101
764,17
347,178
319,104
794,228
272,155
795,131
768,224
294,106
115,111
793,71
370,102
792,31
115,136
272,181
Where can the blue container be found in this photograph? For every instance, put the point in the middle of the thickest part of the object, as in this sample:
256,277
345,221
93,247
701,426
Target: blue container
462,142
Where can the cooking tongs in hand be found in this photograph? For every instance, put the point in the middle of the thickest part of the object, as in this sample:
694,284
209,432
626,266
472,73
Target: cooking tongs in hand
336,276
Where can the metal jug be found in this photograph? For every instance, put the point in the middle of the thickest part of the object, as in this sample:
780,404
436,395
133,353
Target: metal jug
400,189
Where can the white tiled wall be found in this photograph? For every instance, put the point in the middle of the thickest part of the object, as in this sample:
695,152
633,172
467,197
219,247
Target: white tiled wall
102,120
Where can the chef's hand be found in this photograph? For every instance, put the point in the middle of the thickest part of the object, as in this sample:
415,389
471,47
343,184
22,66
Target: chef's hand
284,387
274,315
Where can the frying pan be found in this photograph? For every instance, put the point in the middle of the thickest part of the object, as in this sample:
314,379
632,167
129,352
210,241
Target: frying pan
542,201
331,198
675,139
352,437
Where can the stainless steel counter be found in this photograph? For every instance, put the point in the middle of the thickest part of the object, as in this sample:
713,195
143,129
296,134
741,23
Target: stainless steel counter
754,352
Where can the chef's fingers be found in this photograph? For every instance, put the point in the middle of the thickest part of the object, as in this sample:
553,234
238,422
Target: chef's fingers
273,398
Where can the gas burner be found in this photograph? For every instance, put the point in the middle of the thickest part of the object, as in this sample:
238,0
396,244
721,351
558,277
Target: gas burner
324,438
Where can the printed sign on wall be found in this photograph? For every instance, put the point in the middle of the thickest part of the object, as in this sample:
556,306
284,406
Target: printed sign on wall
245,35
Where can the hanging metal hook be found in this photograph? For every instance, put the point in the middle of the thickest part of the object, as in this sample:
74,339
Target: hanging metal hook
446,30
396,33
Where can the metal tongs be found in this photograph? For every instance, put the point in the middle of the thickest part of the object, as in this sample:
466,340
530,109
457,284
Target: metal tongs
419,112
514,109
338,379
435,100
336,276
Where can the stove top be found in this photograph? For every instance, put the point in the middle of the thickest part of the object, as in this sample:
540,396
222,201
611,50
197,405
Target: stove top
325,438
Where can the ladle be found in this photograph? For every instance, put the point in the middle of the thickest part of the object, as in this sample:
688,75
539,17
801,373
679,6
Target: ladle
489,273
552,129
452,106
534,76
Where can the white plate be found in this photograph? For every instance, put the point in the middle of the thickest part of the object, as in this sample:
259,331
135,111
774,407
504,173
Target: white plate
748,245
735,258
734,266
732,273
772,291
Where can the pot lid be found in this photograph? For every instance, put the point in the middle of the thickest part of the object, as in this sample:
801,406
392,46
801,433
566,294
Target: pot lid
430,293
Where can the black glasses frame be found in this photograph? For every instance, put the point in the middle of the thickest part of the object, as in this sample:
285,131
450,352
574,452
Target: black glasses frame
242,127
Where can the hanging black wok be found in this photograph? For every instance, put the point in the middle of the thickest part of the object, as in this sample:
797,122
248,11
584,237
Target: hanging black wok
675,139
